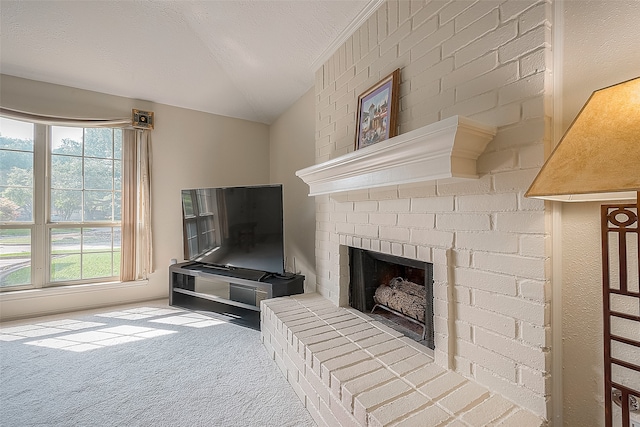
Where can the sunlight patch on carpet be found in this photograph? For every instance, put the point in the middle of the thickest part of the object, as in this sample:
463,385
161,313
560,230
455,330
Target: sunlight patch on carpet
68,338
93,340
46,328
192,320
139,313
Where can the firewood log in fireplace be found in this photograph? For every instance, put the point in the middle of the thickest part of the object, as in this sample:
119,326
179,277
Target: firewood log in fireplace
404,297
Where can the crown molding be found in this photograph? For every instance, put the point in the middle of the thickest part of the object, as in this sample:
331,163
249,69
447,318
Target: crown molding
357,22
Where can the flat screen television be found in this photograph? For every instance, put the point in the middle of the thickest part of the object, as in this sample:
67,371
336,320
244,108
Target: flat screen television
235,227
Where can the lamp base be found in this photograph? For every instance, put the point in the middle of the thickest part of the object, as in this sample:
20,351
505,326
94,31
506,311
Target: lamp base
620,253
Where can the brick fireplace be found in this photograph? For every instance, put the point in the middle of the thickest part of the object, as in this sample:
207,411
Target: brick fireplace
461,209
399,291
438,271
484,317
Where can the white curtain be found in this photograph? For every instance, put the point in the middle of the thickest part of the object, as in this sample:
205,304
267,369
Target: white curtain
145,248
64,121
137,255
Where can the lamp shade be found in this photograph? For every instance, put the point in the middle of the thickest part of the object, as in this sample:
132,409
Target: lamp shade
598,158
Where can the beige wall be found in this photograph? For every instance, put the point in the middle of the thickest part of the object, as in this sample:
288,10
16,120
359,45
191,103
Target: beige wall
600,49
291,139
190,149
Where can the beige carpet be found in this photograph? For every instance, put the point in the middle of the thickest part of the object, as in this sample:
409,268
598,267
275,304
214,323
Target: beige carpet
143,365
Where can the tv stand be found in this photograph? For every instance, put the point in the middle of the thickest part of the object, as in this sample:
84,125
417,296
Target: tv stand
235,293
241,273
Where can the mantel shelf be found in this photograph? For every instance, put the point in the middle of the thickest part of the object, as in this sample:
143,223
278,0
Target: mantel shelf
445,149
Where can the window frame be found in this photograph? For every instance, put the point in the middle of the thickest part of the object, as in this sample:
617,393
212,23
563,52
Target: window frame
42,225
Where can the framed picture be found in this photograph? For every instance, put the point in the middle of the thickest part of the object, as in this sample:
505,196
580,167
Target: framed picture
378,111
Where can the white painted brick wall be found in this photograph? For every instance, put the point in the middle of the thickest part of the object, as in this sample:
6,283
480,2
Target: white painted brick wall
464,36
494,362
514,265
487,203
433,204
490,61
489,241
416,220
443,239
483,280
501,324
385,219
463,222
519,308
534,290
458,188
520,222
515,350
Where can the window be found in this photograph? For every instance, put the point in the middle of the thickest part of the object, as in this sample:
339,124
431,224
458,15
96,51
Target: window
60,204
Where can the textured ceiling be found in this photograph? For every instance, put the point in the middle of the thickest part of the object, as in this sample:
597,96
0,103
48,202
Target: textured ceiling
244,59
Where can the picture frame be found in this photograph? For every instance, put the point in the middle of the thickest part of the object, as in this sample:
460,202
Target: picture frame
141,119
377,114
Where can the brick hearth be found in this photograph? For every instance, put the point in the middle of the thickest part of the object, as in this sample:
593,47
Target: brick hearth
350,370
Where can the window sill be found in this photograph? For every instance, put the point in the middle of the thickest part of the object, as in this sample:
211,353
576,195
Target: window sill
68,290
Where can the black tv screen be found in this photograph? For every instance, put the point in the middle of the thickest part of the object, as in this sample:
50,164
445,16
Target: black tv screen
235,227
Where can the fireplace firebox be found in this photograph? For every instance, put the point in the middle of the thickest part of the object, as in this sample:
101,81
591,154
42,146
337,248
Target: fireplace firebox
398,290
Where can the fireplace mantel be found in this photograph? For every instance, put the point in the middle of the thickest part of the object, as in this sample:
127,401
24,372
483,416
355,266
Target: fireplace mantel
445,149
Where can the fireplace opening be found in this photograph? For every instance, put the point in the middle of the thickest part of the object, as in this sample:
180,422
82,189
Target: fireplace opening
396,291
